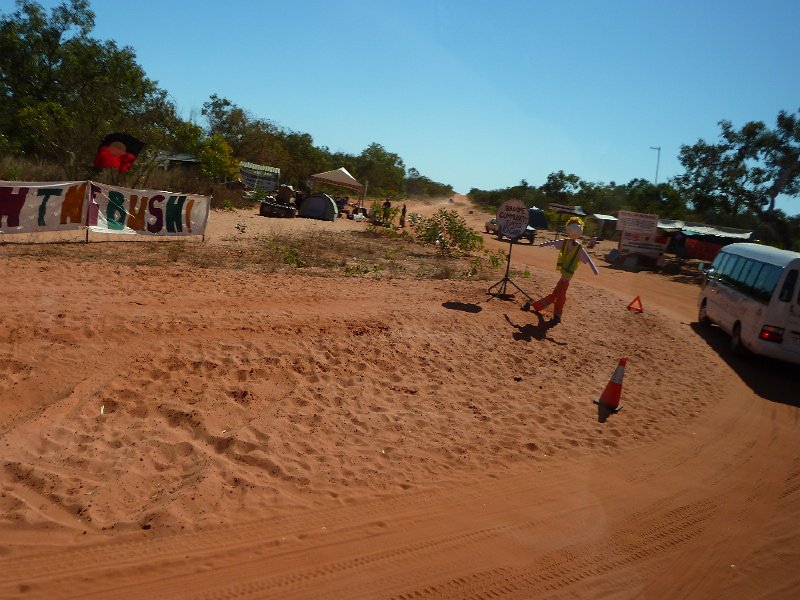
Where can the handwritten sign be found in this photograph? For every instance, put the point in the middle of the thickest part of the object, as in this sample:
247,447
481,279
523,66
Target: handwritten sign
61,206
512,216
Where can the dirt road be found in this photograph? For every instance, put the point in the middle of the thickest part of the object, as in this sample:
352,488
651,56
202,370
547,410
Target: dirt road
351,438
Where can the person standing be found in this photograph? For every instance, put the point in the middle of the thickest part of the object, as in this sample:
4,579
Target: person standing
570,254
403,217
387,211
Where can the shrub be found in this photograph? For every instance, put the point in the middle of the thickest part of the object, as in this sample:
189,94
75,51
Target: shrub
448,231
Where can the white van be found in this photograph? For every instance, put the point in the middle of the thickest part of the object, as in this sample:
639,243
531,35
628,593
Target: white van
752,292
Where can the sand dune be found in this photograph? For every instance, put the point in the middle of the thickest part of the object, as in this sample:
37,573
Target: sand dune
221,433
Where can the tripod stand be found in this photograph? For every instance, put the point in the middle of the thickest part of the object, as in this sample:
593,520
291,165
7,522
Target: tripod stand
506,280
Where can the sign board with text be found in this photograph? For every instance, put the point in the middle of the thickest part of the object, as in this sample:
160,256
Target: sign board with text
639,243
635,222
512,217
37,207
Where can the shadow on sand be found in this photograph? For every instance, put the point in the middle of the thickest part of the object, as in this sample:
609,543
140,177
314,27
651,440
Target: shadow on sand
770,379
462,306
603,412
530,332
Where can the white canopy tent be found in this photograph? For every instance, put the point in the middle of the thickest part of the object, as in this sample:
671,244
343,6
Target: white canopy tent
341,178
338,177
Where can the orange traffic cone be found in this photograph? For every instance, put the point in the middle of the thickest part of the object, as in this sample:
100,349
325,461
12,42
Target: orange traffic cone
636,305
610,397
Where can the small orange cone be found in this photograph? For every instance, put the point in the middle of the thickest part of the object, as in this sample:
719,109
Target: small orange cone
613,391
636,305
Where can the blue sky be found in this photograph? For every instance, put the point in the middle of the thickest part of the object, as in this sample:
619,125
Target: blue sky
479,93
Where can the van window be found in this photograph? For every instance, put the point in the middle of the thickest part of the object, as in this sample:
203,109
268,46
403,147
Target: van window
719,260
766,281
746,269
728,267
736,272
752,275
787,289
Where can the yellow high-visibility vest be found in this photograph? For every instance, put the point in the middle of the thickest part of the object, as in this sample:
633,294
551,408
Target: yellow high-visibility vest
568,258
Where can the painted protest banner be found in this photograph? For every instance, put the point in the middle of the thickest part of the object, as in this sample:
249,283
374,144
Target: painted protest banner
146,212
635,222
34,207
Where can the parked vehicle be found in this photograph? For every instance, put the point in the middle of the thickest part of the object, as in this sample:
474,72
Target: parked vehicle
273,208
529,234
536,220
752,292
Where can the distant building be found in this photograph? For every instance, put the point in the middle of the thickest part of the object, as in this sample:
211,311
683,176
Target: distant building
167,161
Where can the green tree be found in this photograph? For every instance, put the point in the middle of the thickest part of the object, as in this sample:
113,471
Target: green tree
303,159
216,158
416,184
560,187
384,170
746,170
61,91
664,200
251,139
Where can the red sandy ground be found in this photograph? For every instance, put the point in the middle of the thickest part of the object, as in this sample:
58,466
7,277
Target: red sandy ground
289,436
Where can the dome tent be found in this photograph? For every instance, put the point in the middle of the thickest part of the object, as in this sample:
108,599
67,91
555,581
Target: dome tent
319,206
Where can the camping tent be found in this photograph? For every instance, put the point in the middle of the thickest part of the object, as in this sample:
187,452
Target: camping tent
536,218
319,206
340,178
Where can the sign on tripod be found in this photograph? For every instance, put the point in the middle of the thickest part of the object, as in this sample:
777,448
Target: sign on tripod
512,218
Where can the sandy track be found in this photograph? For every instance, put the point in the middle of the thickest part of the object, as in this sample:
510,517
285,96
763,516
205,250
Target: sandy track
296,437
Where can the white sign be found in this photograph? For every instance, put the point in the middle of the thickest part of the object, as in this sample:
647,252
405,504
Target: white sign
634,222
640,243
512,217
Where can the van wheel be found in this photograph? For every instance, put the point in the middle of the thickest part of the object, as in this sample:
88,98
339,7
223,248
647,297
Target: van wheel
736,340
702,315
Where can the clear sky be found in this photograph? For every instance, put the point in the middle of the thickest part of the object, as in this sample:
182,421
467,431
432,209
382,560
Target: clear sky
479,93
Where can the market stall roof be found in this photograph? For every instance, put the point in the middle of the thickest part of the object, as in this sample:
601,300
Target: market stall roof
702,229
338,177
566,209
600,217
259,176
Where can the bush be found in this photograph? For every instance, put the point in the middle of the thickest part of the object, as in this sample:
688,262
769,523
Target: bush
448,231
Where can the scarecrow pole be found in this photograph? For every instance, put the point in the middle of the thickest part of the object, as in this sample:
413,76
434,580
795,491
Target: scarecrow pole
364,194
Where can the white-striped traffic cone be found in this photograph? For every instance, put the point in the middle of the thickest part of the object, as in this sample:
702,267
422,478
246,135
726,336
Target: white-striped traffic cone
611,395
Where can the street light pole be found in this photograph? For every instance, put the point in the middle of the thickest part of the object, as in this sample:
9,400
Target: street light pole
658,160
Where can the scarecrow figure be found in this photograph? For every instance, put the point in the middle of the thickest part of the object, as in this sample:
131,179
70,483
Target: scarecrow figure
570,253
